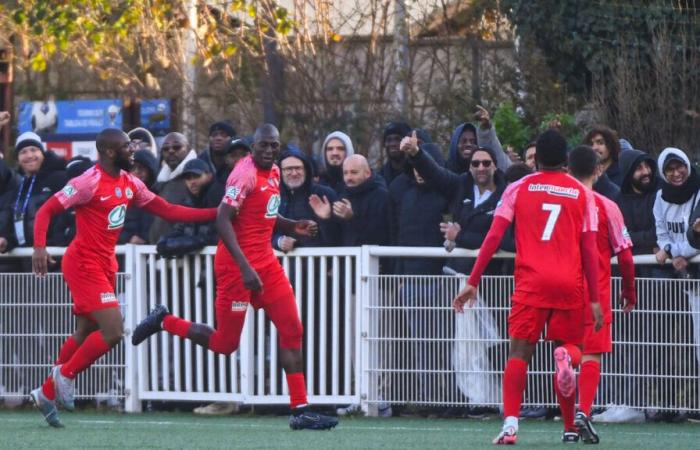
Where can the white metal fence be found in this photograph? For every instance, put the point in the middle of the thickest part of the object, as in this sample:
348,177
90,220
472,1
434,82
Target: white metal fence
369,338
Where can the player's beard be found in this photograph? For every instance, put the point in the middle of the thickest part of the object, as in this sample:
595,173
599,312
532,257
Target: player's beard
123,162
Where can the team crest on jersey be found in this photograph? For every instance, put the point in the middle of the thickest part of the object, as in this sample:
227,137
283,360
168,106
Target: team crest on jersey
118,192
233,192
272,206
625,233
68,190
129,193
108,297
116,217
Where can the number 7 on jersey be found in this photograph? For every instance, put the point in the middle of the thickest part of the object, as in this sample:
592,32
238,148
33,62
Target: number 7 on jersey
554,210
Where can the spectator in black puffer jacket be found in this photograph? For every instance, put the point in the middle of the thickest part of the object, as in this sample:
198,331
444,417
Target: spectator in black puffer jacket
296,188
473,197
8,190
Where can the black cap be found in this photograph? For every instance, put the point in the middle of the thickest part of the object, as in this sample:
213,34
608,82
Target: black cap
550,149
400,128
238,143
196,166
222,126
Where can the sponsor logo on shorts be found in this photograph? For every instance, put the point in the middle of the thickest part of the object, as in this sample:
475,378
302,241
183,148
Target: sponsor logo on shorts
272,206
239,306
116,217
108,297
69,191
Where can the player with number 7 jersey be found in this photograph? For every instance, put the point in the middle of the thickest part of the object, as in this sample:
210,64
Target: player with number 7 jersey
554,218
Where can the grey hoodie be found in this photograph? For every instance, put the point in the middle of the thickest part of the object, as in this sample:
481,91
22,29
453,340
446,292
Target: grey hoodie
671,218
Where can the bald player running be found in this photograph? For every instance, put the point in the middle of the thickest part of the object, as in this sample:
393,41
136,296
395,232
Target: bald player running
100,197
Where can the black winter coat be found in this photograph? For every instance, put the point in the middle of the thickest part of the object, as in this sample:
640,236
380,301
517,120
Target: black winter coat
370,222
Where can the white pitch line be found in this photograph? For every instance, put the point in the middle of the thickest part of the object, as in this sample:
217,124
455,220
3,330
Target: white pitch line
341,426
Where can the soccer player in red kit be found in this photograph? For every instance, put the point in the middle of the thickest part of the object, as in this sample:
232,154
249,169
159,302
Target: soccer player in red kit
247,272
100,197
612,238
555,223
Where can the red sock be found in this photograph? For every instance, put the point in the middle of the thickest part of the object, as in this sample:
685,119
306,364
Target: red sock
48,389
514,379
89,352
574,353
567,405
588,380
297,389
175,325
69,347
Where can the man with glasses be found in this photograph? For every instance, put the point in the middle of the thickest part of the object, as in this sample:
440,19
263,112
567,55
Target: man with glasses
248,273
175,153
295,190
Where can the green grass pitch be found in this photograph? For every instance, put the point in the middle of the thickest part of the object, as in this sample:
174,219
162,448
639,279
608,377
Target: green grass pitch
27,429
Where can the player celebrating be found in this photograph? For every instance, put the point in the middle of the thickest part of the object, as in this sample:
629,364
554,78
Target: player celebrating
555,224
612,239
247,272
100,196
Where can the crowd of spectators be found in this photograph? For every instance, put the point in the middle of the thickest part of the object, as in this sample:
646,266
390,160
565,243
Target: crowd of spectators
419,195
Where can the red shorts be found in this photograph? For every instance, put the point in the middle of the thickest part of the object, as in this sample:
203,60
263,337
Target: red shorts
91,286
528,322
597,341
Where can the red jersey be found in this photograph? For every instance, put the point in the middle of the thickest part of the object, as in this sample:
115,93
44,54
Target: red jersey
612,238
100,202
256,194
550,211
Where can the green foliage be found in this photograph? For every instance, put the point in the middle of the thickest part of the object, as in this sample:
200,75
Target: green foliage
512,130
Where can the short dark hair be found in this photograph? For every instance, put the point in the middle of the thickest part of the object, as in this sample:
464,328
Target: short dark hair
583,161
612,141
516,171
550,150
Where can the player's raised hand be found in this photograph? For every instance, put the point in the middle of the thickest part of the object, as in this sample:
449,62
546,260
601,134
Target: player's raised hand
306,228
628,300
41,260
4,118
597,315
251,280
409,144
343,209
321,207
483,116
466,295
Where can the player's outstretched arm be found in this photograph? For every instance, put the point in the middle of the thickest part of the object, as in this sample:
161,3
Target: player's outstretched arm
225,215
41,258
589,261
628,296
491,243
178,213
300,227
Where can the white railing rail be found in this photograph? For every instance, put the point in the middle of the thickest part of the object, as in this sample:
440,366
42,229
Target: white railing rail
363,341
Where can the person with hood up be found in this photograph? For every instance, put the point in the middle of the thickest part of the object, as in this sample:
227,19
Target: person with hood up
175,153
220,135
138,221
295,191
636,200
473,196
336,147
396,159
145,140
466,138
43,173
673,207
362,209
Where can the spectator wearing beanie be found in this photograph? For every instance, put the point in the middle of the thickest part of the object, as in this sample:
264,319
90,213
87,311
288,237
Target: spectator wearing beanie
395,158
220,135
42,174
